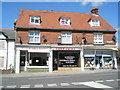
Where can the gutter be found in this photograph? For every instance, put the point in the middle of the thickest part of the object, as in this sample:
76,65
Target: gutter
65,29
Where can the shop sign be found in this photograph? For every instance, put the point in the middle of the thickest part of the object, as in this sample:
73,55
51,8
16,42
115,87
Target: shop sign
66,48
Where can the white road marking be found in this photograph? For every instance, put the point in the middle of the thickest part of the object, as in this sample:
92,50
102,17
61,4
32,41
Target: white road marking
25,86
1,86
118,79
64,84
99,81
109,80
95,85
38,86
52,85
13,86
76,83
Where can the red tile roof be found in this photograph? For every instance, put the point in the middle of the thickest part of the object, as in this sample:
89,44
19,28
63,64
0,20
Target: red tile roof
50,19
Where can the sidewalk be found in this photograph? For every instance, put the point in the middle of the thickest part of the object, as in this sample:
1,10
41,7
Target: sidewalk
30,74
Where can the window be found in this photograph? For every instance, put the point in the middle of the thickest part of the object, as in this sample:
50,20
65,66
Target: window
65,21
34,20
66,37
38,59
34,37
95,23
98,38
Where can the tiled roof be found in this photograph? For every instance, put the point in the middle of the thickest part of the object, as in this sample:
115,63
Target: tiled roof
50,19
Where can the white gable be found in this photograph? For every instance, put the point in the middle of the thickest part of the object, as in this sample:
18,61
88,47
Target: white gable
2,36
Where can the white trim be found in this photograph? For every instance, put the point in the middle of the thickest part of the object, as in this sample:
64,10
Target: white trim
95,24
96,41
67,23
35,18
33,36
66,36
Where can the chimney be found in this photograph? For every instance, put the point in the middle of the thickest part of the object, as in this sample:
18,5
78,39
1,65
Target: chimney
94,11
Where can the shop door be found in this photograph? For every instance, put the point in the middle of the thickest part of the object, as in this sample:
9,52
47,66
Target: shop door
22,63
98,61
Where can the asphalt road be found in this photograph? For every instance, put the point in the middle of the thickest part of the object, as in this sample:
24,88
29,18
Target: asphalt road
86,80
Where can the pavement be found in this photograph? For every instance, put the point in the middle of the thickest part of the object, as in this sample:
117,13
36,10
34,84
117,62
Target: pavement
54,73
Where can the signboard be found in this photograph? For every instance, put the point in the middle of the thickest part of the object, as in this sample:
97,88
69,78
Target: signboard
66,48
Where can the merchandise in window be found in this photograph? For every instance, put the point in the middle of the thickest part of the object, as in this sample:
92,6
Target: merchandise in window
89,61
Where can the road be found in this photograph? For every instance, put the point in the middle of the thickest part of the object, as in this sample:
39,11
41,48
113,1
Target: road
86,80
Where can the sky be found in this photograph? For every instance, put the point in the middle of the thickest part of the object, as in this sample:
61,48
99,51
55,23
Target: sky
107,10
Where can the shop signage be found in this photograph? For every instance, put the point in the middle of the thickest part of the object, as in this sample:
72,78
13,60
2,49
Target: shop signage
60,48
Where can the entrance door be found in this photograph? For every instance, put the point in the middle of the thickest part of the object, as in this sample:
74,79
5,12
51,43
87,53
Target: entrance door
98,61
22,62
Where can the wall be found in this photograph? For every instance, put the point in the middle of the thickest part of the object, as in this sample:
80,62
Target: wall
51,37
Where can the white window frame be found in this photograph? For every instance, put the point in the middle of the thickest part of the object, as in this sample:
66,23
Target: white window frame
67,23
35,18
33,37
96,23
97,41
66,36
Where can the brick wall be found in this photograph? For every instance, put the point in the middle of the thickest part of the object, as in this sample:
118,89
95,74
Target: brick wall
51,37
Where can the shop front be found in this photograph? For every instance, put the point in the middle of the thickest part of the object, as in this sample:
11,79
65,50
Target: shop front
66,59
100,59
32,59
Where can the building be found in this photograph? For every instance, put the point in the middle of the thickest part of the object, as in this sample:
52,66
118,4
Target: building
62,41
7,49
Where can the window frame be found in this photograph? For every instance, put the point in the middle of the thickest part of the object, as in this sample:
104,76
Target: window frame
95,24
33,36
97,41
35,18
67,23
66,36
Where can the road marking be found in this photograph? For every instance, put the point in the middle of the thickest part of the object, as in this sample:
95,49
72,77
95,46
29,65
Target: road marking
99,81
25,86
76,83
38,86
64,84
95,85
13,86
1,86
52,85
118,79
109,80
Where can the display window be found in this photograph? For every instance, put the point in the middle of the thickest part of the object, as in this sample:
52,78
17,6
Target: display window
89,61
38,59
107,61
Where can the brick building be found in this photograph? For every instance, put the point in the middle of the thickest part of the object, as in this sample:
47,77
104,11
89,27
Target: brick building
51,40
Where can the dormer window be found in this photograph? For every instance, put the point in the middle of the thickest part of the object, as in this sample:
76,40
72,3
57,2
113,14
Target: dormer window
34,20
65,21
95,23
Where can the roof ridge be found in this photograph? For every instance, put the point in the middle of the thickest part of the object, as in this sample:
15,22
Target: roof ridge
52,11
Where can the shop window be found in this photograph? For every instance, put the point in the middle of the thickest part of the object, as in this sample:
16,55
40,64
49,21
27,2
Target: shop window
38,59
65,21
34,20
89,61
66,38
69,60
107,61
34,37
98,38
